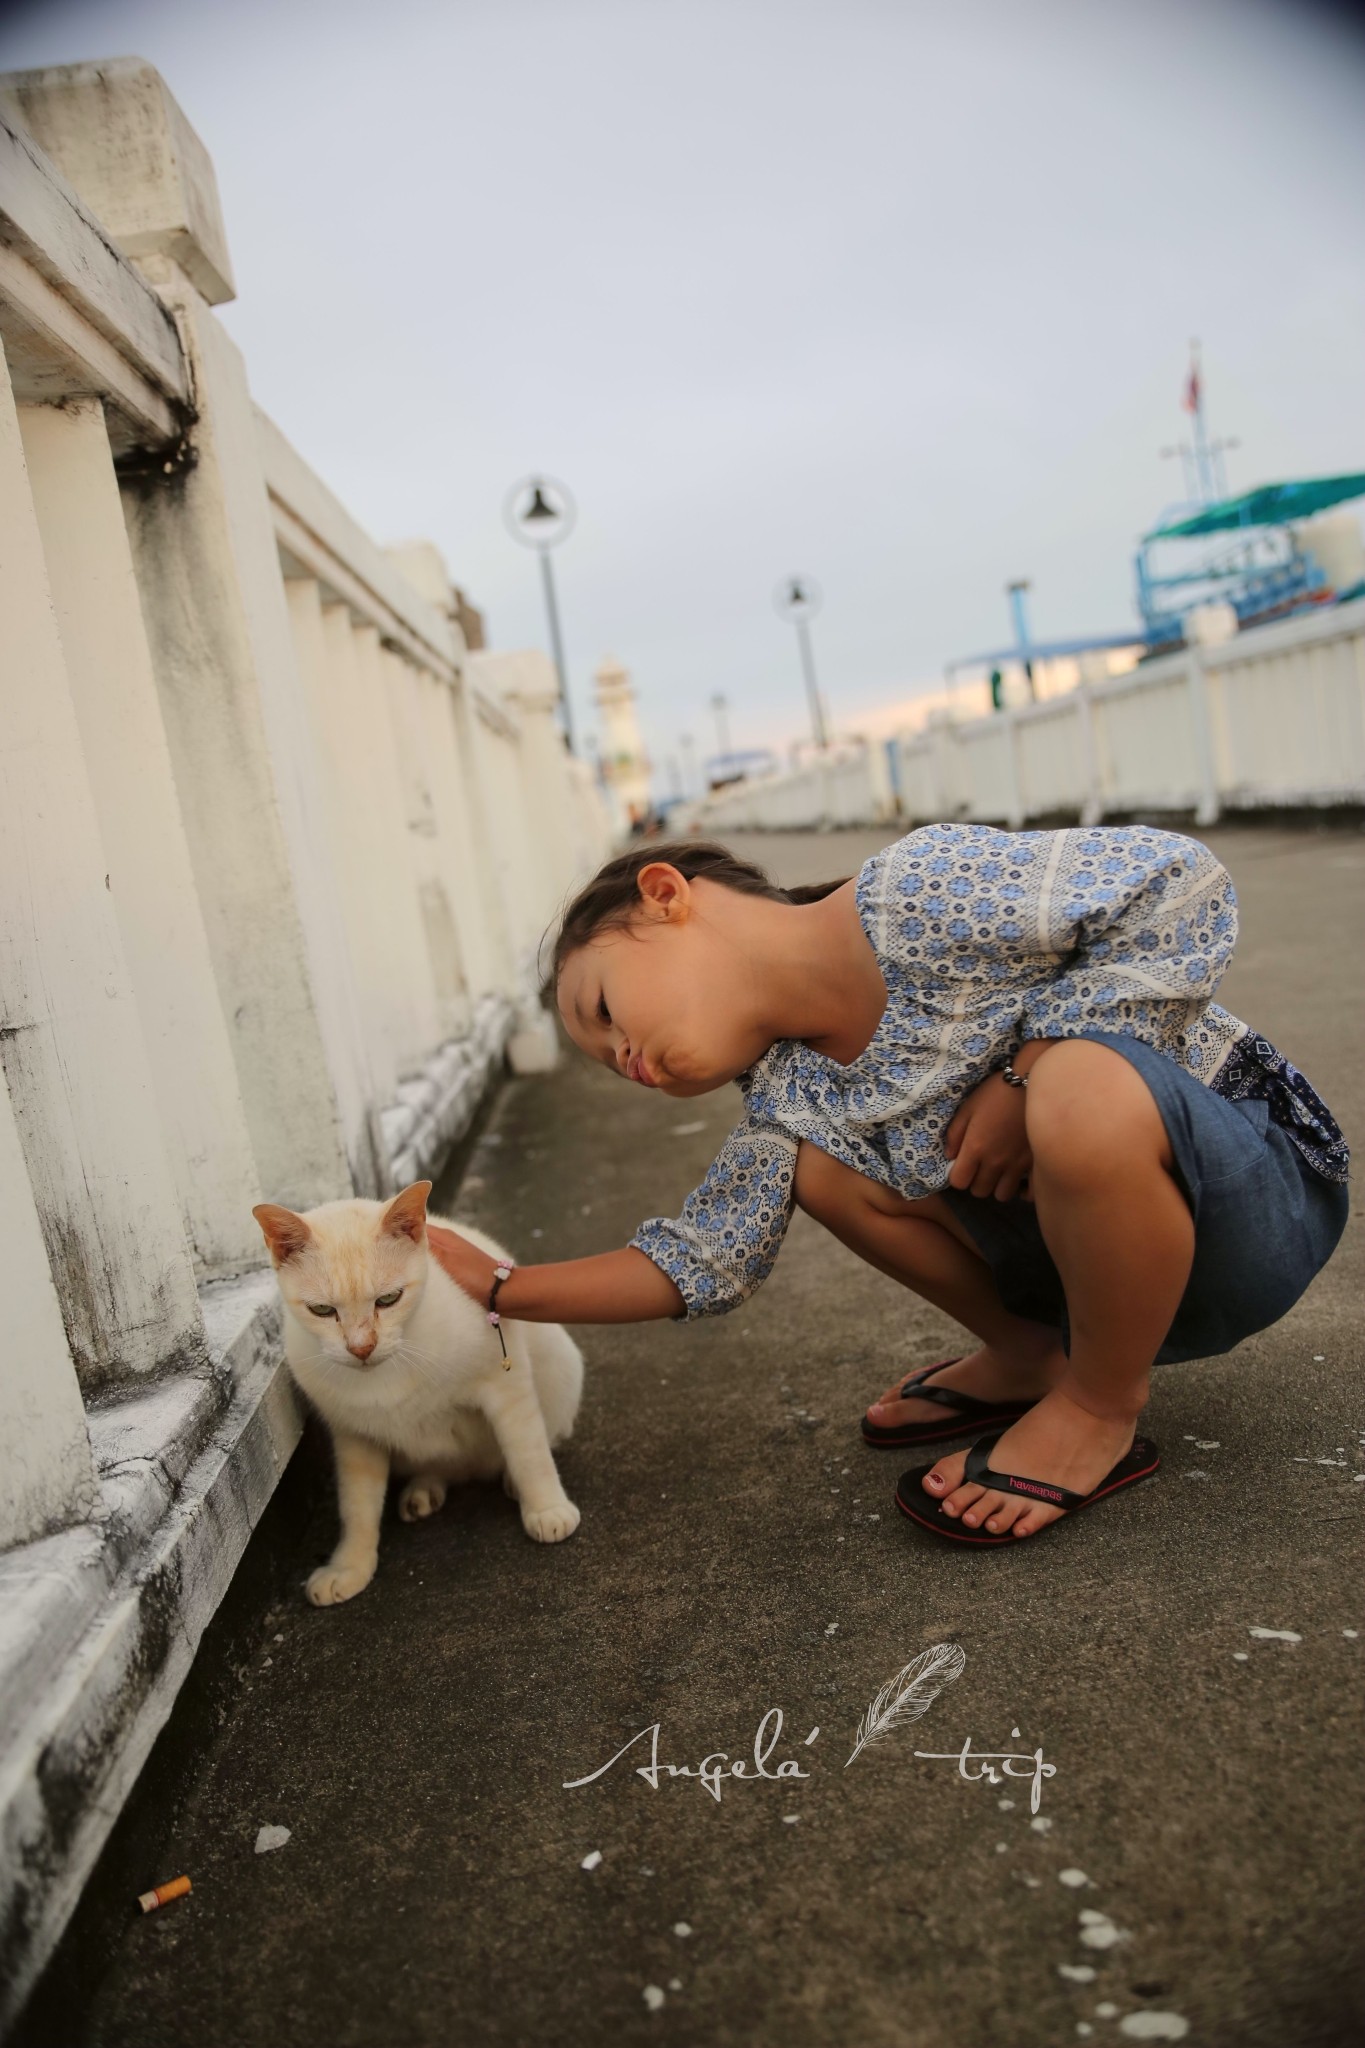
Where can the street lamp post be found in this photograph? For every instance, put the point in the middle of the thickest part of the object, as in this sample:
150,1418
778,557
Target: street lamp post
797,599
540,513
1015,592
720,705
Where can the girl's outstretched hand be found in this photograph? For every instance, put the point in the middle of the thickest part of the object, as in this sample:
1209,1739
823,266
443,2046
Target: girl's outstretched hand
467,1266
609,1287
986,1142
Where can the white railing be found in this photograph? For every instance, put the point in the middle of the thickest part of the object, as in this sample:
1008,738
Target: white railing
848,785
1272,717
276,855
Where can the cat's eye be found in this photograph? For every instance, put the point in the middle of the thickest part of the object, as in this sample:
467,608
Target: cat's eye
321,1308
388,1300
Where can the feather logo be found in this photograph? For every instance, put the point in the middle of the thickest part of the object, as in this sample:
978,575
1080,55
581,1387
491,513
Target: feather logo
910,1693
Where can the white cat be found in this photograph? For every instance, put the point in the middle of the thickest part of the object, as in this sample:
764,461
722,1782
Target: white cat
409,1376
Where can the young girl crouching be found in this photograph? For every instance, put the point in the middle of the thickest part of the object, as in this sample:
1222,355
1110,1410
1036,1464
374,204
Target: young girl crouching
991,1065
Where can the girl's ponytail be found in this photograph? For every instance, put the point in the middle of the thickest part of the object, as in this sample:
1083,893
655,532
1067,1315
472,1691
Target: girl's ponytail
611,898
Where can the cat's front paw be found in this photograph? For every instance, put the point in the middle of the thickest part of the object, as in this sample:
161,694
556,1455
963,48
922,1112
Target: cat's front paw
332,1583
420,1498
553,1524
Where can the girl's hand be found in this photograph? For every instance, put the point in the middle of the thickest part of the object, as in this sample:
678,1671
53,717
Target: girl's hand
467,1266
986,1141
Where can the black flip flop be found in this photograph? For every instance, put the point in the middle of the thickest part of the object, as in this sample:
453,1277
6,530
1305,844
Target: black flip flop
966,1413
1139,1463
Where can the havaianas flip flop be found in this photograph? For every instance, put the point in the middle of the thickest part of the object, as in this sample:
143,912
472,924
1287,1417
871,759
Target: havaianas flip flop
1139,1463
966,1412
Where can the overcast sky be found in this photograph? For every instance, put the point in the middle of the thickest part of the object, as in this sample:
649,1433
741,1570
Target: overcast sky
896,293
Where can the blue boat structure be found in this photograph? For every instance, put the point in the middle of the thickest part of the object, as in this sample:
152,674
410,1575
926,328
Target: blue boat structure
1249,552
1254,552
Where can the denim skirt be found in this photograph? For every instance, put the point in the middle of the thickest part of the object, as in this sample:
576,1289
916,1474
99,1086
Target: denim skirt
1264,1220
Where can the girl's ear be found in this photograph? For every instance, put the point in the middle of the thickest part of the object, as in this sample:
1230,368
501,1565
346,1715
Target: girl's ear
406,1215
665,894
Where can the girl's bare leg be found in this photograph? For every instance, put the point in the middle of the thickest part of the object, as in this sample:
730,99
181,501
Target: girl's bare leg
1120,1232
923,1245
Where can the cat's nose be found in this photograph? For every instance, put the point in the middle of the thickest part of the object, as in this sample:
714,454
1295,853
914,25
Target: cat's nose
363,1349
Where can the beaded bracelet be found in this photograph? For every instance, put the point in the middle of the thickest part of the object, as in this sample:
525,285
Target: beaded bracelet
500,1273
1008,1075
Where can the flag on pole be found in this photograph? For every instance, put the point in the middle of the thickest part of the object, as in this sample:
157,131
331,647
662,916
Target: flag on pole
1191,399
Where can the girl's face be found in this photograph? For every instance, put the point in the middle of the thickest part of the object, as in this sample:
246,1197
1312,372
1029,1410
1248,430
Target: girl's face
668,1001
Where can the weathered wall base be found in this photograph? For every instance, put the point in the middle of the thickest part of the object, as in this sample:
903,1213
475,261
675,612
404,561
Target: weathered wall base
101,1623
436,1108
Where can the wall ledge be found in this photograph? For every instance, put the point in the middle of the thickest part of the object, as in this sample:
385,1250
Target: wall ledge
99,1624
436,1107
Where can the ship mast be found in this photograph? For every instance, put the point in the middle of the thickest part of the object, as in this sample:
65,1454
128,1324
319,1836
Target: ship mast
1200,458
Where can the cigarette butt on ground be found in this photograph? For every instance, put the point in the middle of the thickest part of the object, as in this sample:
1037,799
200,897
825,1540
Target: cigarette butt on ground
164,1893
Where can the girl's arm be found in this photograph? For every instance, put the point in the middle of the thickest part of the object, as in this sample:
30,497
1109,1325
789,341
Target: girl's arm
1143,923
703,1262
612,1287
986,1140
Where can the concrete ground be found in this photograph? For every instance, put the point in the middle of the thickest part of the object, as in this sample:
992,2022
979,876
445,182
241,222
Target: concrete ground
740,1552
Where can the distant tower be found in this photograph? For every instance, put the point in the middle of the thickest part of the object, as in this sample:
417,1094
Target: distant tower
625,766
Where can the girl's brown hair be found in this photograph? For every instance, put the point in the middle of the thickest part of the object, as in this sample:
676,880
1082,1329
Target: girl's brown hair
612,897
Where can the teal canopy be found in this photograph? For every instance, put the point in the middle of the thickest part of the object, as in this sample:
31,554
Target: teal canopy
1269,505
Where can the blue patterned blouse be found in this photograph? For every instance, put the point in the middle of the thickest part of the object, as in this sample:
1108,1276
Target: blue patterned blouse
985,939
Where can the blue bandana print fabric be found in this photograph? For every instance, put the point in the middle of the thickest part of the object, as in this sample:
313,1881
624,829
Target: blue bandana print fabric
985,939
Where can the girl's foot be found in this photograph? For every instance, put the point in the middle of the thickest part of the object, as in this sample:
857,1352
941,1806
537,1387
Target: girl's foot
987,1375
1058,1443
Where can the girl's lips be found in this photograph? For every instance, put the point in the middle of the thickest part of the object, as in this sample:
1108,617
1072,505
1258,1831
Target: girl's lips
636,1070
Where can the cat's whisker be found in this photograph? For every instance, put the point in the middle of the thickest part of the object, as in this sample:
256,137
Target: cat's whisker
423,1368
414,1351
405,1348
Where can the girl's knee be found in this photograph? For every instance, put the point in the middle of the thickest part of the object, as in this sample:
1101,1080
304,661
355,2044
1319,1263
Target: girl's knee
1090,1114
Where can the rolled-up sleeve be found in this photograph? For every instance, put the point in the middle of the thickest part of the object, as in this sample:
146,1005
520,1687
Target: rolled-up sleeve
724,1243
1144,923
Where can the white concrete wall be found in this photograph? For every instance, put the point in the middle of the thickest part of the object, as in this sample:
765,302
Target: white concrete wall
49,1477
276,858
1275,716
274,845
109,668
71,1043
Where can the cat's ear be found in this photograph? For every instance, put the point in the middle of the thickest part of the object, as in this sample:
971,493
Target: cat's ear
284,1232
406,1215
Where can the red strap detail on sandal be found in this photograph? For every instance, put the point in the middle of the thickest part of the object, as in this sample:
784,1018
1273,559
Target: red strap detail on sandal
978,1470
